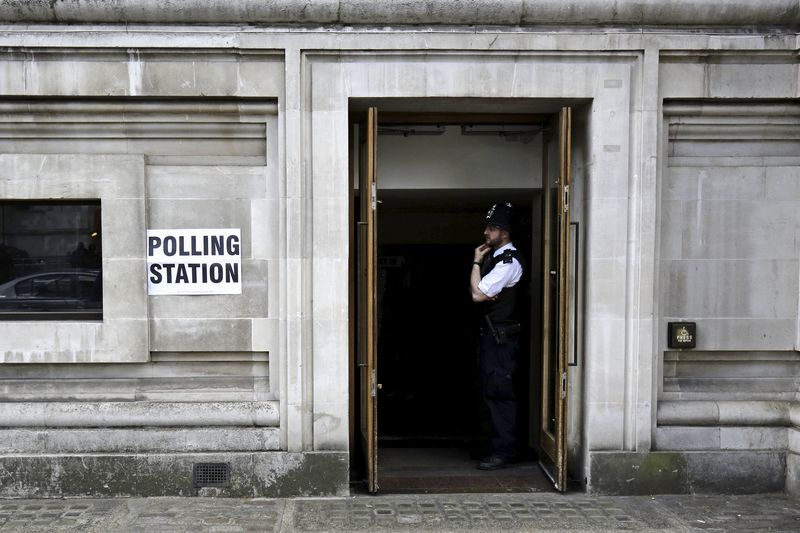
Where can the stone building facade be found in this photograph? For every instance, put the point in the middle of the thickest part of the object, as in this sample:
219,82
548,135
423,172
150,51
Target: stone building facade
685,167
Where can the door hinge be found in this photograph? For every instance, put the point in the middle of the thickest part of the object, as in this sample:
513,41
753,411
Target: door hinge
374,196
566,198
374,383
563,385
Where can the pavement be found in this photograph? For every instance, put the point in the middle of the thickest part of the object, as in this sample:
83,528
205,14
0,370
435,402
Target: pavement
418,512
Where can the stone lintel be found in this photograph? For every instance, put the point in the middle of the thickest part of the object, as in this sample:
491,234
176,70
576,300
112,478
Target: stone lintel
772,13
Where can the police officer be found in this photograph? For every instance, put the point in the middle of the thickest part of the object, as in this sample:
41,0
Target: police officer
494,285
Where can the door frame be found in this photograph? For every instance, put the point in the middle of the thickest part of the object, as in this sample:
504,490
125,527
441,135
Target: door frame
403,118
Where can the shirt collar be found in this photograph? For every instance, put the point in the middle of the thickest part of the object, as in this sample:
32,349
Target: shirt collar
507,246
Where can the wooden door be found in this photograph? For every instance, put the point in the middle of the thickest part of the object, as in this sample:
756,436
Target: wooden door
555,299
367,302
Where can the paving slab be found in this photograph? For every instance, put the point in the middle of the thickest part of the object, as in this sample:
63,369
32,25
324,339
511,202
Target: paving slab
736,513
409,513
481,513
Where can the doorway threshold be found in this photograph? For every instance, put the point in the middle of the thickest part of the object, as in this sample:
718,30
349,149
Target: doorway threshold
451,470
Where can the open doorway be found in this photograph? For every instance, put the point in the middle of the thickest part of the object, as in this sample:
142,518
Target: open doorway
423,219
433,426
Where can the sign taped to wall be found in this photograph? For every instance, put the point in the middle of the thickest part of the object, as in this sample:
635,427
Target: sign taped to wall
194,261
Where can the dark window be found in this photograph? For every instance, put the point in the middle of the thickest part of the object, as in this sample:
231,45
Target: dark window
51,260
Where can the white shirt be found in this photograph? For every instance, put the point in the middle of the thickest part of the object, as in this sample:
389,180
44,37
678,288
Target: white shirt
502,275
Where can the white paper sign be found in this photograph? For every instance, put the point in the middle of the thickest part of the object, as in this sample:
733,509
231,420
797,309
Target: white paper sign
194,261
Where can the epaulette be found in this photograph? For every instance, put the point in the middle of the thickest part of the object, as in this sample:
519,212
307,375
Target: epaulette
507,257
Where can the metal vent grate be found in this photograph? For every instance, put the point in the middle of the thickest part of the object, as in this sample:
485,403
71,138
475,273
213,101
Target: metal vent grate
211,475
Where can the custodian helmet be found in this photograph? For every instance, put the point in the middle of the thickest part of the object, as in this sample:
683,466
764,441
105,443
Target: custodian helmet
500,215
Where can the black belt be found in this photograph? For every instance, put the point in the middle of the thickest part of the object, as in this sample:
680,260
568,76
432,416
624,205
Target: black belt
503,329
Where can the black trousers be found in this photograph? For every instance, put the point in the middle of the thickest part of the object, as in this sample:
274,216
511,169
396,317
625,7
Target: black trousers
497,365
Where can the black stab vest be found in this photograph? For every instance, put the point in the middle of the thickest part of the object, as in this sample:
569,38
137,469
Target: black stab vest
503,308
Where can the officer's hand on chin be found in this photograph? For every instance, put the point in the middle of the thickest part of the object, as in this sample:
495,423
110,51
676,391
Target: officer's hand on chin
481,251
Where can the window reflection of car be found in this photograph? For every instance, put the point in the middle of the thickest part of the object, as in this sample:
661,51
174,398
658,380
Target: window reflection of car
53,291
9,256
12,251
